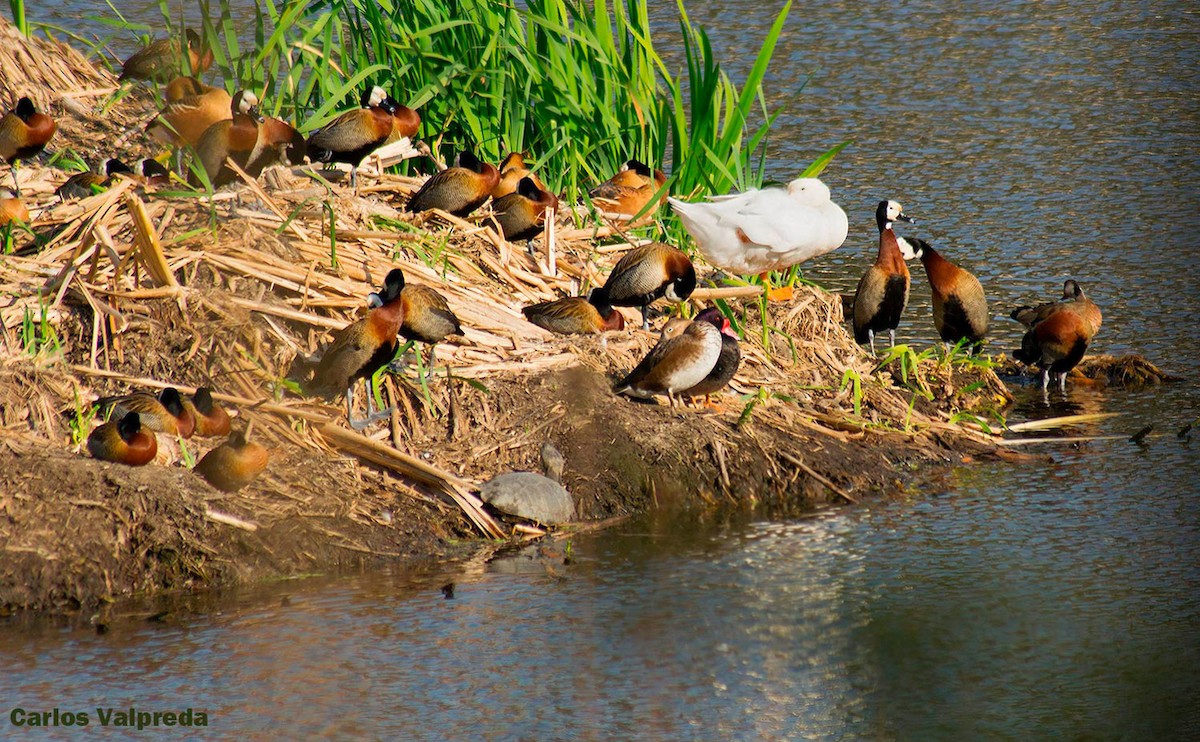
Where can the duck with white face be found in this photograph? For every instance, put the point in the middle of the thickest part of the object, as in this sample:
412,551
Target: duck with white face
882,292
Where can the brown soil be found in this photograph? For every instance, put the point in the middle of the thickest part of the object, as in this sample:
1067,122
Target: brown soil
229,294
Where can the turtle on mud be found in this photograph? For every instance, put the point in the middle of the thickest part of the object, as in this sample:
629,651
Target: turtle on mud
531,496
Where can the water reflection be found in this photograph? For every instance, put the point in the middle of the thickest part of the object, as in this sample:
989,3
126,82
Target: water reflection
1055,597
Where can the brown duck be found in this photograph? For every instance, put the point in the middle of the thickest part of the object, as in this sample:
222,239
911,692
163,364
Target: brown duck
23,134
512,170
684,356
355,134
574,315
727,362
882,292
645,274
522,215
211,419
427,317
624,195
162,414
457,190
1059,333
361,348
123,441
191,108
11,209
234,464
960,310
250,140
162,60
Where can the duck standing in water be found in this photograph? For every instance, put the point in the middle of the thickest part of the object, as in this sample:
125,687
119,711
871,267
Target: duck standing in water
645,274
882,292
960,310
684,356
1059,333
766,230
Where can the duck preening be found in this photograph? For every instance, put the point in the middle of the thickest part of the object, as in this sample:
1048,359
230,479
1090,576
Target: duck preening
162,414
24,133
882,292
249,139
360,349
624,195
457,190
512,170
575,315
685,355
522,214
765,230
352,136
191,108
727,362
233,464
427,317
647,273
162,59
1059,333
123,441
960,310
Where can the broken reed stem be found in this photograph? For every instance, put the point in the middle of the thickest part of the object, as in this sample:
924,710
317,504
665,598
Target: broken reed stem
813,473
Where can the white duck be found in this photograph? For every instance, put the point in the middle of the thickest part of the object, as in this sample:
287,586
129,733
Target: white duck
765,230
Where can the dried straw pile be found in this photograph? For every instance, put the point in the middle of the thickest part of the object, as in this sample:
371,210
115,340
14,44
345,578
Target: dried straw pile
45,70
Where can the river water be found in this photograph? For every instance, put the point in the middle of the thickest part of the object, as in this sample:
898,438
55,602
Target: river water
1045,600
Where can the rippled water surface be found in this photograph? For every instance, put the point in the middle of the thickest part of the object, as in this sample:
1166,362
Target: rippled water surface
1053,598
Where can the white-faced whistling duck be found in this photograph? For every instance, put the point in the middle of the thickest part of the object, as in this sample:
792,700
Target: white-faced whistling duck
233,464
522,214
882,292
360,349
211,418
457,190
191,108
575,315
162,60
355,134
1059,333
647,273
162,414
960,310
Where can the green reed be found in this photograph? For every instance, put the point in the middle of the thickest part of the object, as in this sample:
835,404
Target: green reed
578,84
